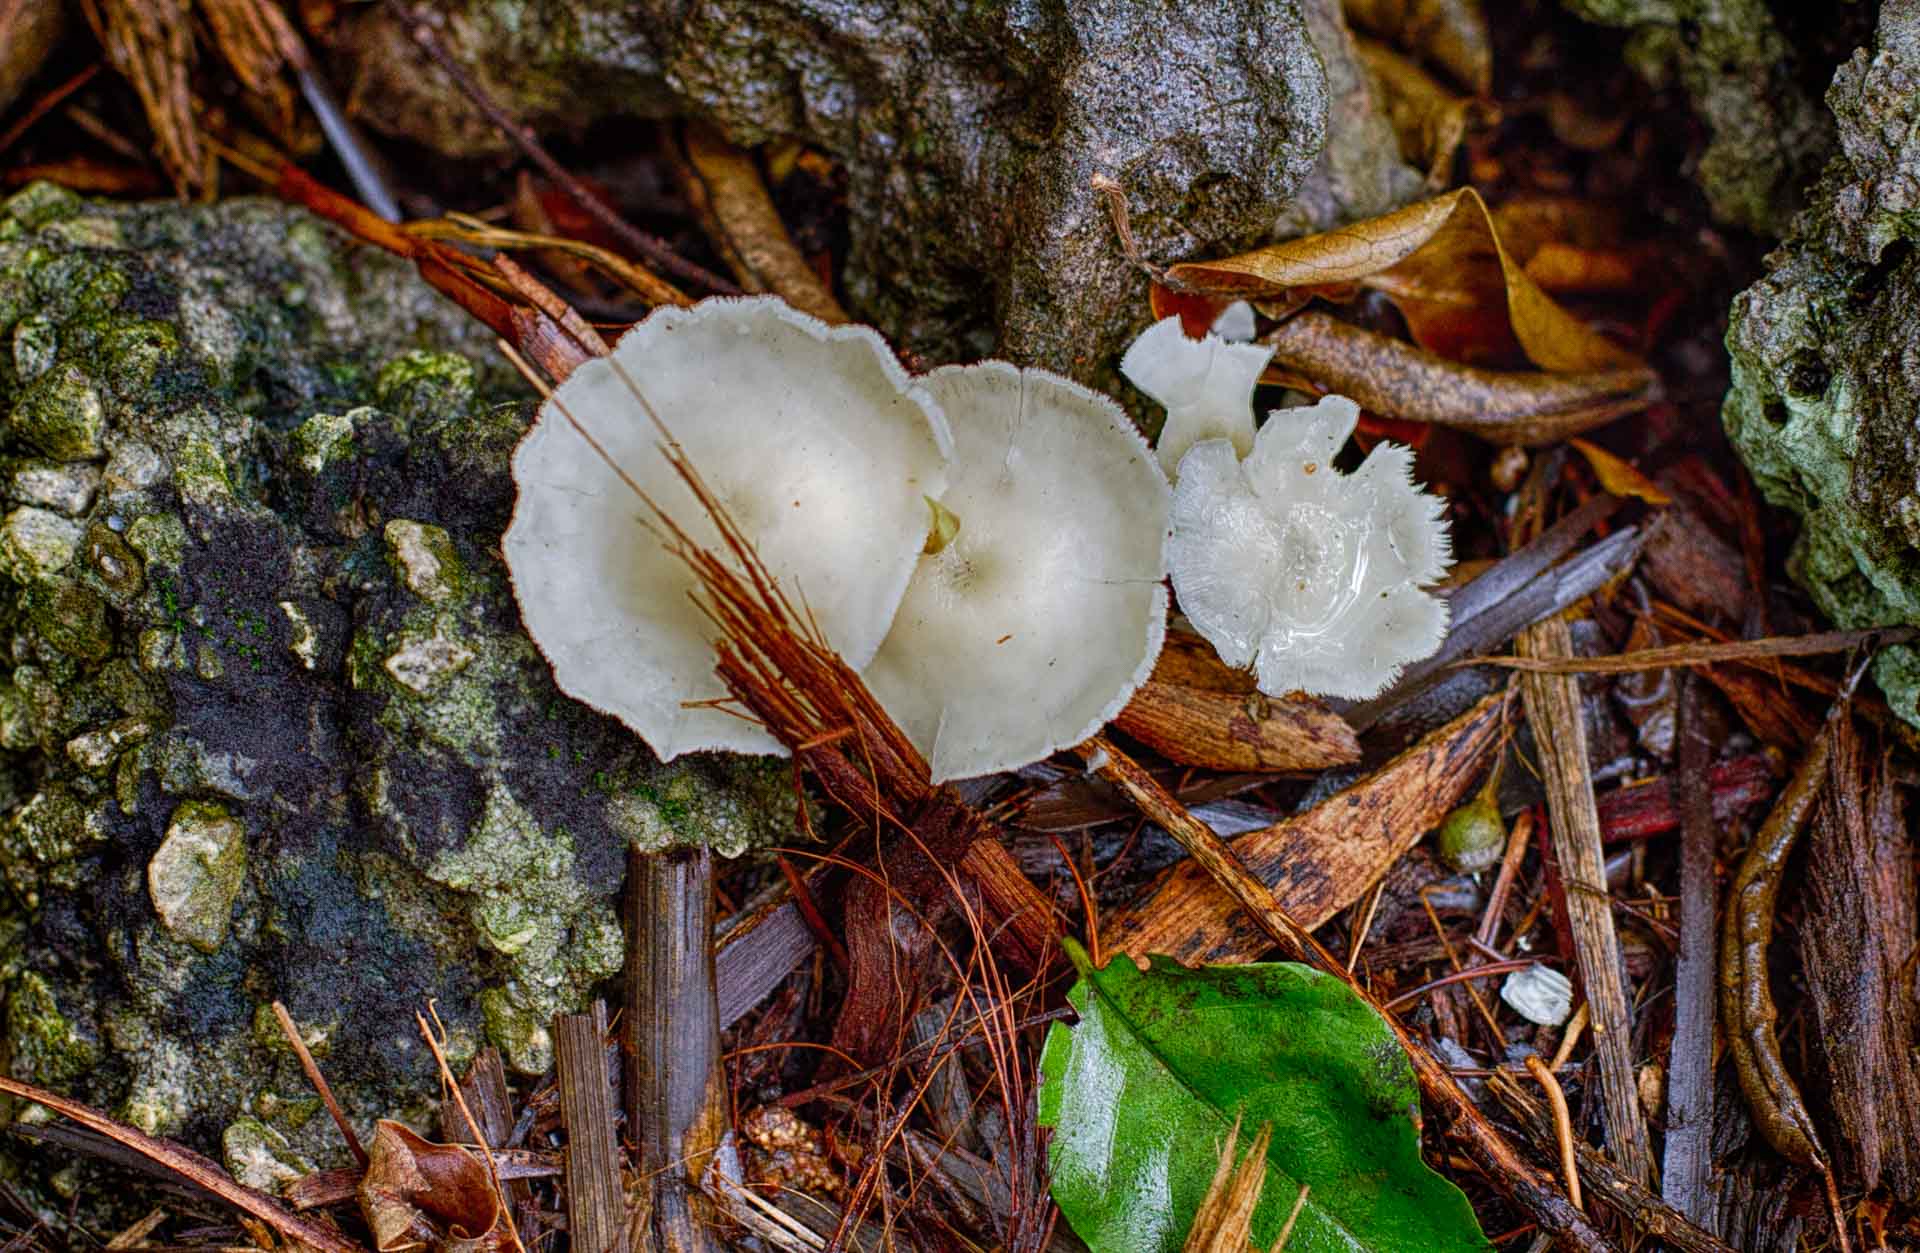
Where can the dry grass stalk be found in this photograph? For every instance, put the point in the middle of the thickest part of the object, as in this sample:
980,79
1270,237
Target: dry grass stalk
1224,1223
1553,710
151,43
319,1082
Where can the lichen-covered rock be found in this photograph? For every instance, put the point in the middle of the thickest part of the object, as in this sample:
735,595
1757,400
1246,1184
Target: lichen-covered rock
1767,134
1825,401
971,133
269,725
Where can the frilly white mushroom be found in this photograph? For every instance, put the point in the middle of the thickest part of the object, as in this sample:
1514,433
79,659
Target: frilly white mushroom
1310,576
1235,324
1032,628
1206,386
814,439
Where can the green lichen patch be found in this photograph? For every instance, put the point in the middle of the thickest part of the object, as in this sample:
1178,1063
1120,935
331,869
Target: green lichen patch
43,1044
196,874
424,386
36,543
61,415
260,1157
41,840
424,558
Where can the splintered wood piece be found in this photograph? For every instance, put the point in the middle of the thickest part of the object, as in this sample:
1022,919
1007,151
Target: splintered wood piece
1198,711
744,212
1573,820
1685,1181
1857,944
596,1204
1319,862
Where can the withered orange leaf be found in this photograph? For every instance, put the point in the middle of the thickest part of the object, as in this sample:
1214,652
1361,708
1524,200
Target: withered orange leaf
1619,477
1394,379
1443,265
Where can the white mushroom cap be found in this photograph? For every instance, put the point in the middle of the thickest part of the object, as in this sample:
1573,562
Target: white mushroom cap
1206,386
1033,627
814,439
1309,576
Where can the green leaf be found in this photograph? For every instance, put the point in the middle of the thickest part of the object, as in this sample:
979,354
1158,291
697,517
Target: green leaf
1142,1091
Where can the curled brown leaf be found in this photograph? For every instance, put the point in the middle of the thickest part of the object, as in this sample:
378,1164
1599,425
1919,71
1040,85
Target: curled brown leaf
1395,379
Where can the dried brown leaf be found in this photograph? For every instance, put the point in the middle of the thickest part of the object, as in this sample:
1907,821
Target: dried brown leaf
1394,379
1451,34
1442,263
1428,119
410,1178
1198,711
1620,477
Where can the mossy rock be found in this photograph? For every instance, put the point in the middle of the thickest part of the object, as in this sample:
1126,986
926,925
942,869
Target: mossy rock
270,727
1826,359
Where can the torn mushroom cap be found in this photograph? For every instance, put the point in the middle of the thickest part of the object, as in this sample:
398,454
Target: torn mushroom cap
1033,627
816,442
1206,386
1310,576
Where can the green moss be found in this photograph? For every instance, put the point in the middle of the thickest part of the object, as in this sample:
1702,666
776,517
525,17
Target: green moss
44,1045
61,414
70,616
324,439
424,386
40,203
677,805
41,840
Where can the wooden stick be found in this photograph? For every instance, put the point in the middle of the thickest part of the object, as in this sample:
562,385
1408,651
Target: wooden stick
319,1082
676,1092
596,1205
1553,710
1689,1150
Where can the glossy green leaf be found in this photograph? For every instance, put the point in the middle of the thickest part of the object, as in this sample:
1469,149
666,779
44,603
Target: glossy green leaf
1142,1091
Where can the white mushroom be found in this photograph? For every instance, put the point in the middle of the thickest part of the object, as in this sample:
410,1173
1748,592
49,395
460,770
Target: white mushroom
814,439
1033,627
1206,386
1309,576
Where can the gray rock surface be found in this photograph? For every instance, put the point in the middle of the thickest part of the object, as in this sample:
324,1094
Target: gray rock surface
971,134
1825,401
269,725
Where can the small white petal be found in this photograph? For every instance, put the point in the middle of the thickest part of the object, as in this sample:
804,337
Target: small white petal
1205,385
1539,994
1235,323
